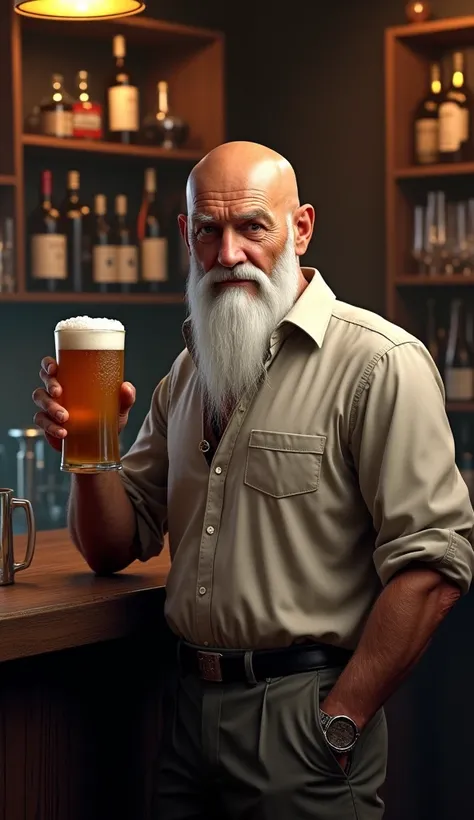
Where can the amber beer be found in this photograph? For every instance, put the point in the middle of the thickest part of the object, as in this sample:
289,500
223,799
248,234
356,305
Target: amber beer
90,356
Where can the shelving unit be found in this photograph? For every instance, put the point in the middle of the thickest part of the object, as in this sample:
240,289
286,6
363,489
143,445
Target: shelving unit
409,50
190,59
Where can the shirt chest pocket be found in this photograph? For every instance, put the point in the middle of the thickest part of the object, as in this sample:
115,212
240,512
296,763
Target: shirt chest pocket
283,464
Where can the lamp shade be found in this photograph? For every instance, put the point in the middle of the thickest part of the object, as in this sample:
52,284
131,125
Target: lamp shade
78,9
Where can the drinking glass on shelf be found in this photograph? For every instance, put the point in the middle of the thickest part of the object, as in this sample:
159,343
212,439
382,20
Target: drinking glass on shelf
418,247
469,260
451,250
435,233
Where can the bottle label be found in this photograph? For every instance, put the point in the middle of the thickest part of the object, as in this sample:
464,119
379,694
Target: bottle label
451,127
127,264
104,264
459,383
57,123
123,108
427,136
48,256
155,259
87,122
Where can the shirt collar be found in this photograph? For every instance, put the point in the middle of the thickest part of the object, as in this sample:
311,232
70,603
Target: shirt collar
311,312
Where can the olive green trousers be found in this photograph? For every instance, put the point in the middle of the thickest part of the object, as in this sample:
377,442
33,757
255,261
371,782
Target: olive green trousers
257,752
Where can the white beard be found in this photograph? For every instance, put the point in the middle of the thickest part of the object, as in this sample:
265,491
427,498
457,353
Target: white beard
231,331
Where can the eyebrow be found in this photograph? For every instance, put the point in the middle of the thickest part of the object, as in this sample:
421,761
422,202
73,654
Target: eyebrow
256,213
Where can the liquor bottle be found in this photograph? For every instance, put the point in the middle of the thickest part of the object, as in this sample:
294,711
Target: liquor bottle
47,246
426,122
459,370
32,124
87,115
161,127
56,111
126,248
153,244
122,99
104,253
455,127
76,216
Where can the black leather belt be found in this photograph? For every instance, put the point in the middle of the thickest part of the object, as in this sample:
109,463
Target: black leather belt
233,666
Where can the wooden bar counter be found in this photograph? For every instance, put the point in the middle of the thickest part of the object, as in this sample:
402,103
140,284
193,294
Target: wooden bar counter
83,661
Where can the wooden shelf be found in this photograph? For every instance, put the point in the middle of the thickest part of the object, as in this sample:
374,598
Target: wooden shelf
99,298
452,32
5,179
460,406
432,171
142,30
414,280
111,148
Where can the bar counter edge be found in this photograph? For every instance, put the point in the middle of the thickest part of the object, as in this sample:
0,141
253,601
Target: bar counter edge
59,603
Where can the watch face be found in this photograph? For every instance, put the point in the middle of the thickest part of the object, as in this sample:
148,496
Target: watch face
341,733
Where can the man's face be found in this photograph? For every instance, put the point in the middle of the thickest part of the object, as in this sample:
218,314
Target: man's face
228,231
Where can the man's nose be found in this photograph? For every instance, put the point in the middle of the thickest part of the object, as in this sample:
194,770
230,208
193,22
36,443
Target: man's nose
231,252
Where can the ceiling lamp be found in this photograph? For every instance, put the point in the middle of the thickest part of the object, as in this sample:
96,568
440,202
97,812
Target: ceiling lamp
78,9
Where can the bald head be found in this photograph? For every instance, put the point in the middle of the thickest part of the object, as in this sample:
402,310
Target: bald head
237,169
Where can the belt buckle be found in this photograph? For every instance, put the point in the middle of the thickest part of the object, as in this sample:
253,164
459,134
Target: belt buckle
210,666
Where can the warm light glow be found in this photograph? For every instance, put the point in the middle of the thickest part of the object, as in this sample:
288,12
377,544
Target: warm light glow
78,9
418,8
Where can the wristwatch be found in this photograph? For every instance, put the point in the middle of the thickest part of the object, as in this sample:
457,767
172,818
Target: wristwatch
340,731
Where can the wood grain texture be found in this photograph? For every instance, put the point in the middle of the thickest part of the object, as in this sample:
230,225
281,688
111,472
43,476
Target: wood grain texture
80,730
59,603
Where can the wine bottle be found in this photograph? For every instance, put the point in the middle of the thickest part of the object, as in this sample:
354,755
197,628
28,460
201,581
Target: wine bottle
459,369
126,248
153,244
48,256
56,111
455,116
104,252
122,98
161,127
76,217
426,122
87,114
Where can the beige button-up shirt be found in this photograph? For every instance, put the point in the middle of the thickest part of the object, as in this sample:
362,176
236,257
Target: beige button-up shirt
337,473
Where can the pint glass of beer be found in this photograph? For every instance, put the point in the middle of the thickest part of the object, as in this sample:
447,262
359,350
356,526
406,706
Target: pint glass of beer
90,357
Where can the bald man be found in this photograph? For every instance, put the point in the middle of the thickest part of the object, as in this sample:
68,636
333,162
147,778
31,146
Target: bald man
299,456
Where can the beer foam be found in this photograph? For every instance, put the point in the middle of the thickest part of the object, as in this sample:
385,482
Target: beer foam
87,333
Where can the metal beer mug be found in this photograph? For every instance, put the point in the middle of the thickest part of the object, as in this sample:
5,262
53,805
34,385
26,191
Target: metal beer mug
8,505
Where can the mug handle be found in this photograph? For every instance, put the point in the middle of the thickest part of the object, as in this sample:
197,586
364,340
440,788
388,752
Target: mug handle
30,520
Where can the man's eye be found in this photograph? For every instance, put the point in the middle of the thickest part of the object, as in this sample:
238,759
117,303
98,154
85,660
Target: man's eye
255,227
205,230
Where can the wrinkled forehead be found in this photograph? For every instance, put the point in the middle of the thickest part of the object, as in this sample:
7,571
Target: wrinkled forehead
233,187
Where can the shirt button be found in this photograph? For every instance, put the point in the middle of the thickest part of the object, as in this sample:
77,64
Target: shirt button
210,530
202,590
218,470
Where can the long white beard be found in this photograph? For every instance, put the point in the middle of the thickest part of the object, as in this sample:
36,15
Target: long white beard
231,331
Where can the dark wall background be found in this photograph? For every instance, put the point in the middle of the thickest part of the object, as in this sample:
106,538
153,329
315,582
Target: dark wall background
309,82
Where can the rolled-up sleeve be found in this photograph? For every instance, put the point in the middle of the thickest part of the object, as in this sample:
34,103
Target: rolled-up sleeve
404,454
145,475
